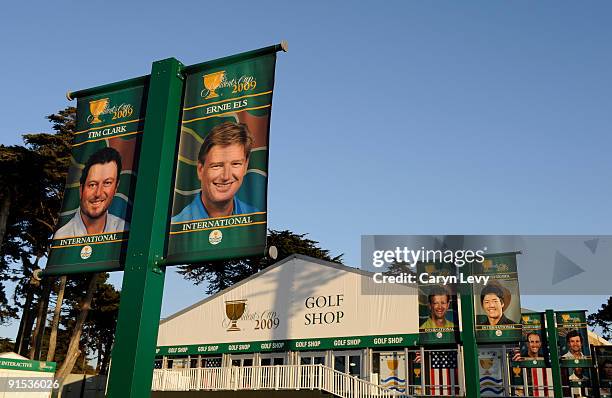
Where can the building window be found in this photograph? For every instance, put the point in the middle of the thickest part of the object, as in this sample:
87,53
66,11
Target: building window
211,362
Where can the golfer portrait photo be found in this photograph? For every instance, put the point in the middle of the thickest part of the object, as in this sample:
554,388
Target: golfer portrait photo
222,163
439,301
494,305
97,188
574,345
605,370
534,347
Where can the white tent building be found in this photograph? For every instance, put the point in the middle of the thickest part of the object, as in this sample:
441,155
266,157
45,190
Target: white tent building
299,311
305,323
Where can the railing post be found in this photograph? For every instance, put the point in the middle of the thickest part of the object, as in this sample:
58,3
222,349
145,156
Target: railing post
276,377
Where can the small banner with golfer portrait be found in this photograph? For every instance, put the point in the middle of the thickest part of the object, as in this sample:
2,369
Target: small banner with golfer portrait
533,343
573,339
220,189
93,226
497,304
603,355
438,323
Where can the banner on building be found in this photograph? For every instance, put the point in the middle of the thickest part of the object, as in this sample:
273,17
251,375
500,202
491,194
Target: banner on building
393,371
490,371
220,191
443,377
438,321
573,339
603,356
94,221
497,304
534,353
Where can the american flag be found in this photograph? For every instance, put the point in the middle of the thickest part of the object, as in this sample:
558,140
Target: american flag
443,373
541,382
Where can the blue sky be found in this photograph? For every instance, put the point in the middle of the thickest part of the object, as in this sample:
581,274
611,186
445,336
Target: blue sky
405,117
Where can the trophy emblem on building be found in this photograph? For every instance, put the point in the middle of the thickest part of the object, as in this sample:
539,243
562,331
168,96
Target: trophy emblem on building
96,108
565,317
234,309
430,268
392,364
486,364
212,82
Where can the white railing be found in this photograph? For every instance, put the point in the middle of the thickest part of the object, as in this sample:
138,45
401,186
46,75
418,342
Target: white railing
277,377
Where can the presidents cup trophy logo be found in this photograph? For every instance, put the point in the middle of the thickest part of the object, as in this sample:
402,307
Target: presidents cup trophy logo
486,364
212,82
234,309
392,364
215,237
565,317
86,252
96,108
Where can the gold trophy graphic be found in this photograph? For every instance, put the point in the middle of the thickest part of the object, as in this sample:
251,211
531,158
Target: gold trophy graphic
417,374
96,108
212,81
486,364
234,310
392,364
430,268
565,317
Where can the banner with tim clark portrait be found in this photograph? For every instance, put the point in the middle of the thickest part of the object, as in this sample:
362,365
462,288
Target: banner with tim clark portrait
92,230
220,192
497,304
573,339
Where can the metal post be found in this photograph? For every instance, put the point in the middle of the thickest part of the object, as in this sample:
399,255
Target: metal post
553,348
143,280
470,349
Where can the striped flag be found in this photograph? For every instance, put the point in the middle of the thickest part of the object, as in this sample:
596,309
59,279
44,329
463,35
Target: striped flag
443,373
541,382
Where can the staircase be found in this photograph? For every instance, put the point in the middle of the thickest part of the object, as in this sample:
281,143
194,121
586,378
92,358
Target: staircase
277,377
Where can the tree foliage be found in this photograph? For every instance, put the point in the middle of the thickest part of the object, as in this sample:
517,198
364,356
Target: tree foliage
223,274
32,178
603,319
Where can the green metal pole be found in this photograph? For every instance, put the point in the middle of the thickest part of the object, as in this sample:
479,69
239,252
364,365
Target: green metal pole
468,338
553,348
143,280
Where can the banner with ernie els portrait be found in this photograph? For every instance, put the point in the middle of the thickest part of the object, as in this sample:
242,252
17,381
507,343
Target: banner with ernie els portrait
92,230
220,189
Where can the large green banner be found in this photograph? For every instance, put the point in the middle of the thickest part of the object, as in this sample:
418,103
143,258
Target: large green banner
95,217
573,339
220,190
497,304
438,320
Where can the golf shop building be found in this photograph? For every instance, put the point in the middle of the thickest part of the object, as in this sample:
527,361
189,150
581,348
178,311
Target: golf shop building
305,323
